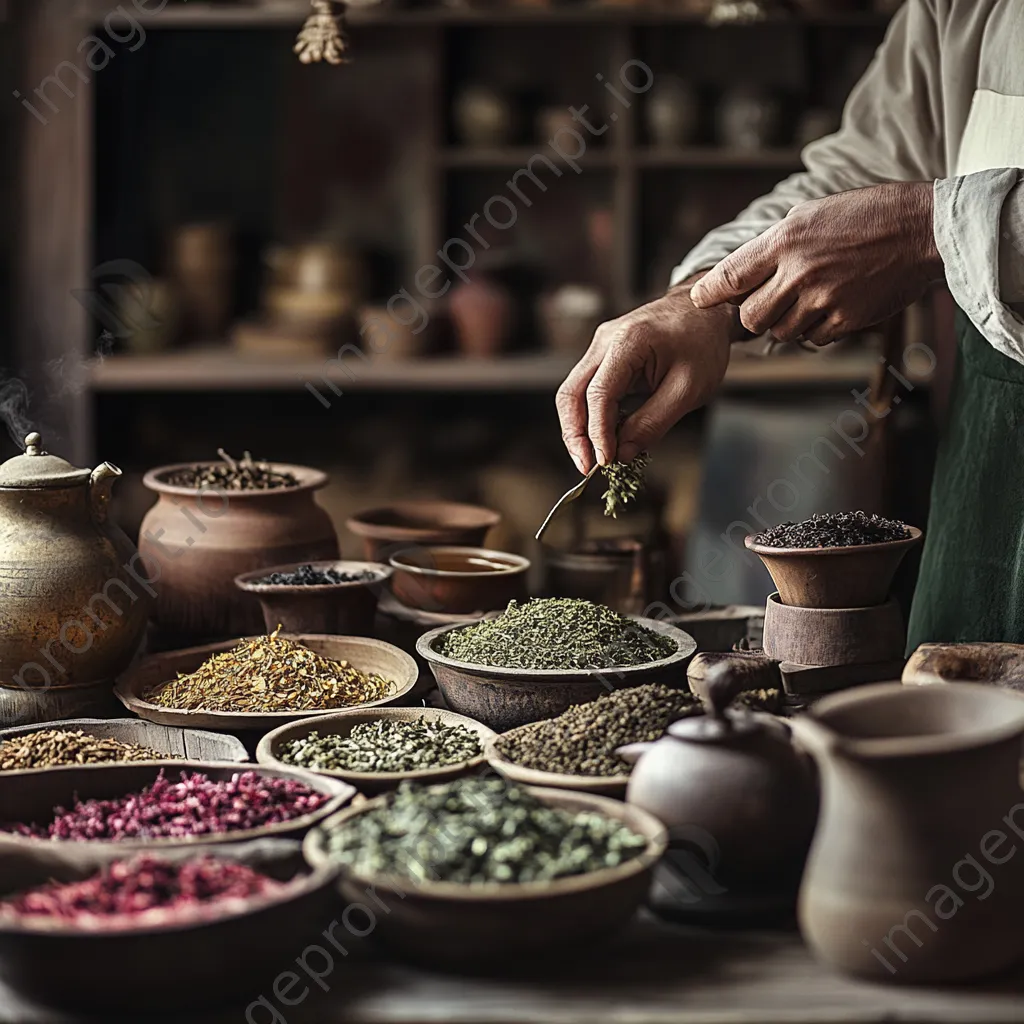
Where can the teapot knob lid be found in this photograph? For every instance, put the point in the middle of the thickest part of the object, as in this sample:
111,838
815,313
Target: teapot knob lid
34,444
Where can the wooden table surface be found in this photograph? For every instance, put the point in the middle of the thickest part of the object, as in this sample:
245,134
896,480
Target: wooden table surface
654,974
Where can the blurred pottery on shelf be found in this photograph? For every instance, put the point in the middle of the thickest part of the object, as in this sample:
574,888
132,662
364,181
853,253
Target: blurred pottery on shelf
554,120
483,117
671,112
481,313
569,316
202,265
148,316
195,542
748,119
269,341
313,287
384,337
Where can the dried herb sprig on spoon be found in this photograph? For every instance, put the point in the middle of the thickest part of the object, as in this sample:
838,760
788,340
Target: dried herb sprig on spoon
625,482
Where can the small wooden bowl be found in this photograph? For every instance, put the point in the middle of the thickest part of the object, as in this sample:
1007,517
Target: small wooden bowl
856,576
231,953
364,653
464,926
386,529
184,744
30,796
613,786
457,580
341,724
506,697
346,608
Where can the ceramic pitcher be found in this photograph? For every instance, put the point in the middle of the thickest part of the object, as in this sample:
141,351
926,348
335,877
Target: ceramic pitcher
916,872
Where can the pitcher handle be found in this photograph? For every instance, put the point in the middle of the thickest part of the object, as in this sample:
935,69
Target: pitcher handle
814,737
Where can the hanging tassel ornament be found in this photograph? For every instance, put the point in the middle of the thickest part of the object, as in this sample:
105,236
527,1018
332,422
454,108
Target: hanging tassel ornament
321,37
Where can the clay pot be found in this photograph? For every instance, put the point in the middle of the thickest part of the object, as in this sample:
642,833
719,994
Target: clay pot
921,800
203,267
483,117
458,580
672,112
731,787
482,316
195,543
387,529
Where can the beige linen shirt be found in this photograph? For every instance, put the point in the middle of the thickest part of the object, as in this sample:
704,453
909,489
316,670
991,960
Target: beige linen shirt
943,99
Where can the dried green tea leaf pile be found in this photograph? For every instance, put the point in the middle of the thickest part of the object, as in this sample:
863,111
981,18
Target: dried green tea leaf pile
50,747
625,482
557,633
270,673
583,740
476,831
385,745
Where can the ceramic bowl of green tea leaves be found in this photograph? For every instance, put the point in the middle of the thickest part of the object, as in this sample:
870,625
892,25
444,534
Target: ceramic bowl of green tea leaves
538,658
377,749
478,872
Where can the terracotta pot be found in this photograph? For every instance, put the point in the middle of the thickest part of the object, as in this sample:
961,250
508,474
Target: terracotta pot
195,543
482,315
459,580
202,262
904,881
390,528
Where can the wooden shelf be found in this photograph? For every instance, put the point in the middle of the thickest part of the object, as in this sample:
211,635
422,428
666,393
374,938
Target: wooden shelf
225,370
511,157
718,157
292,12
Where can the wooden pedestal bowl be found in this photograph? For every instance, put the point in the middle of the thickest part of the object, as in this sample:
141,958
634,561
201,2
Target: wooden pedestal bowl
483,927
503,698
855,576
269,749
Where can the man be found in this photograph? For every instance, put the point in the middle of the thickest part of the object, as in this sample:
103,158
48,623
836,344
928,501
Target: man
921,182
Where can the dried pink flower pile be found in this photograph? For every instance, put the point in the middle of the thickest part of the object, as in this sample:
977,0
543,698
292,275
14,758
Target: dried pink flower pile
145,889
195,805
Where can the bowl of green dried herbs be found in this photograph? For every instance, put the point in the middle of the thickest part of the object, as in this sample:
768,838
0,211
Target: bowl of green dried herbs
379,749
538,658
477,871
261,682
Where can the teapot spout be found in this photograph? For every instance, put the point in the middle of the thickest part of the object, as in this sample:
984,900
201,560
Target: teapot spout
101,485
632,752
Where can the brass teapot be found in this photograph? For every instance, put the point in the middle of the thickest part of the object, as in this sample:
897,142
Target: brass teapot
74,596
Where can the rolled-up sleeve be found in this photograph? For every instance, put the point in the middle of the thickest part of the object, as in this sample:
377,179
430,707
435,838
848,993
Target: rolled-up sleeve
891,131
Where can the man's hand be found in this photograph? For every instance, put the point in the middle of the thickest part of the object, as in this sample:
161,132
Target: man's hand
679,353
832,266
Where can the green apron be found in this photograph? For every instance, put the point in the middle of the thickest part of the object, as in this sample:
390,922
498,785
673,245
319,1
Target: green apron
971,585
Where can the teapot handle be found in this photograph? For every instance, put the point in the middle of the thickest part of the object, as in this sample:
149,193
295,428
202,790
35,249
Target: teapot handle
101,485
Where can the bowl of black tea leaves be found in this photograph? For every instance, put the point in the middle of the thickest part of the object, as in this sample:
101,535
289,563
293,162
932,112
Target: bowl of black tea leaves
834,560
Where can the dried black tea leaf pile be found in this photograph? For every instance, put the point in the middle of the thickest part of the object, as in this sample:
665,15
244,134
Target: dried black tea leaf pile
583,740
477,831
557,633
245,474
270,673
625,482
309,576
385,745
48,748
834,529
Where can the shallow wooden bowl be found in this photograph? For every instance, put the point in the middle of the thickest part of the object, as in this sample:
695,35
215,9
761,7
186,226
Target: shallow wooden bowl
983,662
225,958
386,529
364,653
457,580
604,785
463,926
346,608
856,576
184,744
30,796
506,697
342,724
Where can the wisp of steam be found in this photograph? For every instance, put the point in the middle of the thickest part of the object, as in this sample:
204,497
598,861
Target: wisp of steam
14,409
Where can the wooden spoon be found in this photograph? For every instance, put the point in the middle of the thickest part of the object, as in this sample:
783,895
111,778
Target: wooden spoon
570,495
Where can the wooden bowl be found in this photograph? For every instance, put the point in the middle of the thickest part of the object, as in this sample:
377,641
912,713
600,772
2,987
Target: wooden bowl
982,662
364,653
227,957
345,608
341,724
387,529
856,576
457,580
184,744
833,636
30,796
613,786
463,926
506,697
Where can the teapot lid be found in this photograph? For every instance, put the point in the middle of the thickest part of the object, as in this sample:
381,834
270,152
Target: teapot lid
37,468
717,729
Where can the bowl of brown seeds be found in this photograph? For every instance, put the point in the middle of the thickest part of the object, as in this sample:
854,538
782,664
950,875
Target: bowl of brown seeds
377,750
261,682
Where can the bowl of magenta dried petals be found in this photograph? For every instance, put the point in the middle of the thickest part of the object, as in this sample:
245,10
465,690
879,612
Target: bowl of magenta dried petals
91,927
187,803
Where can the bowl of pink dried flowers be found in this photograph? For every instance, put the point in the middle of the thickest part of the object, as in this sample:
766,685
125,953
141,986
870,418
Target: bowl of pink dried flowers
89,927
152,806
